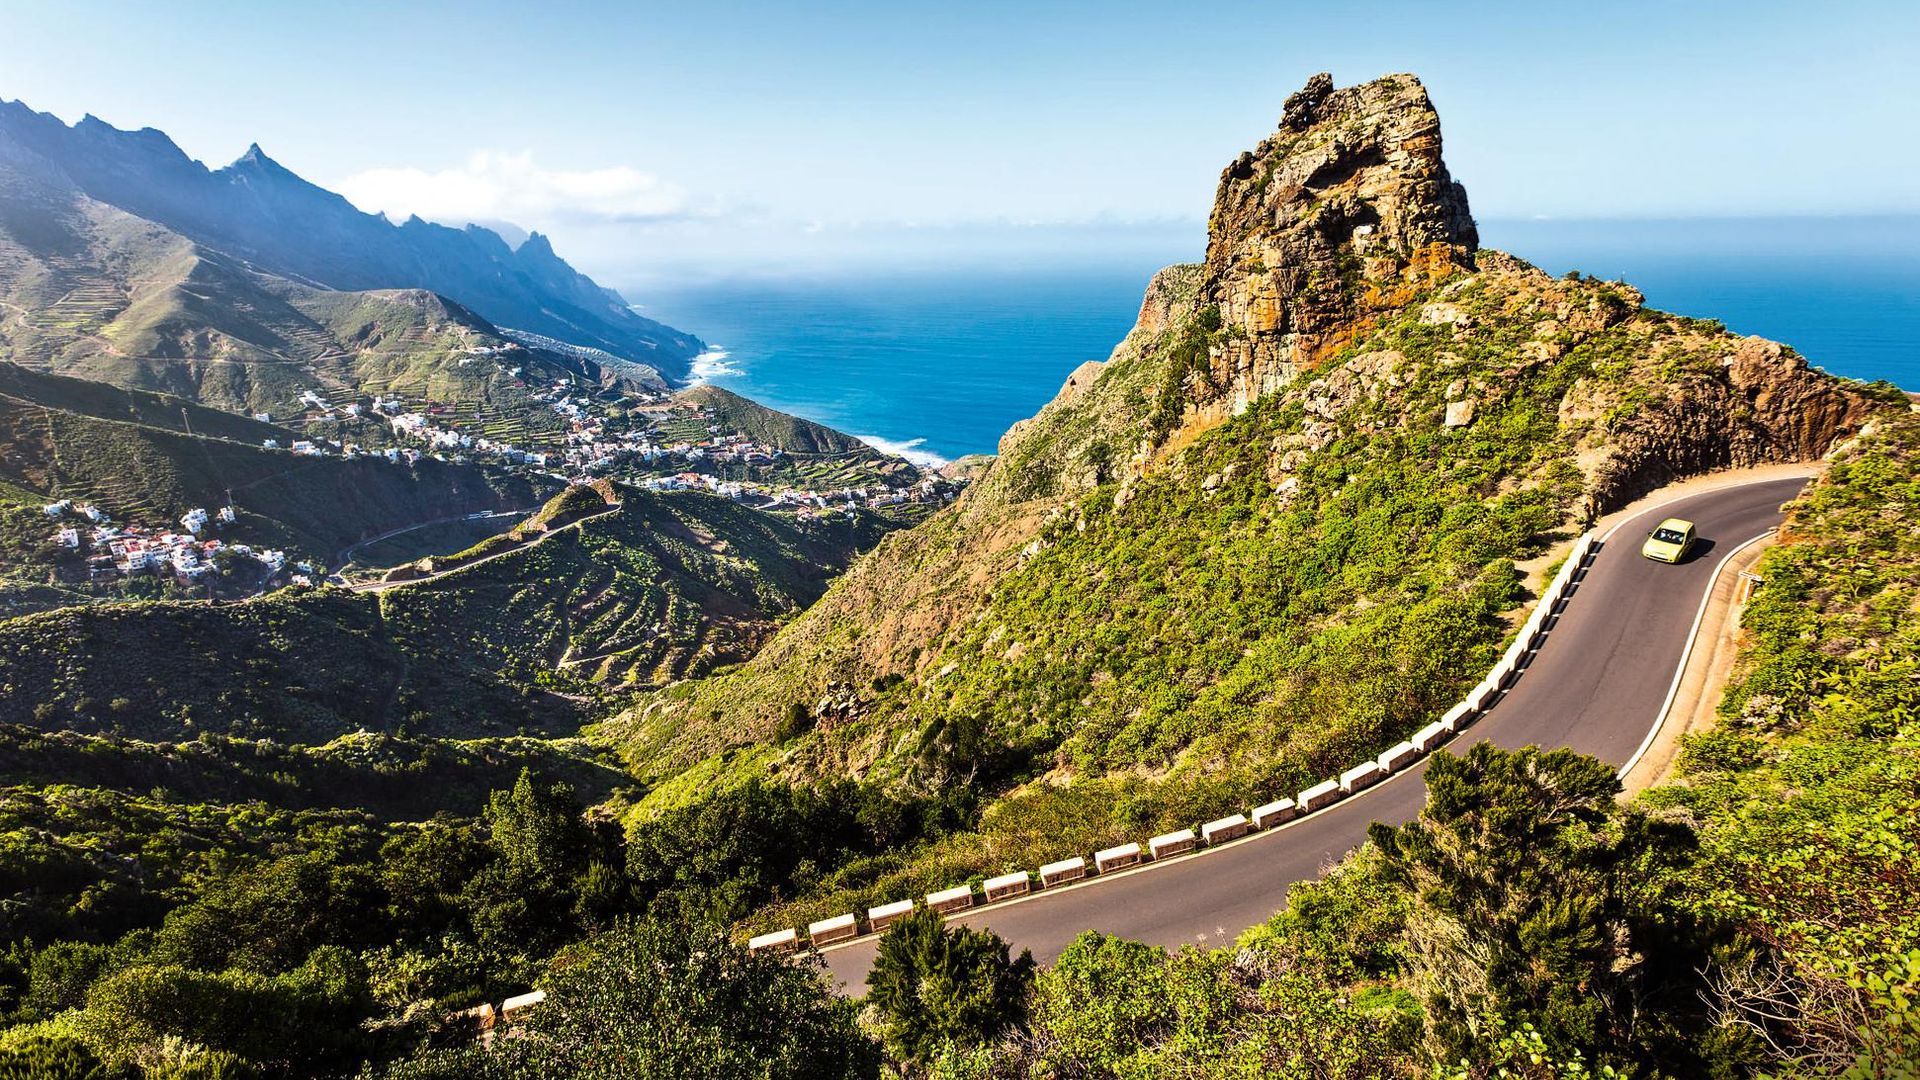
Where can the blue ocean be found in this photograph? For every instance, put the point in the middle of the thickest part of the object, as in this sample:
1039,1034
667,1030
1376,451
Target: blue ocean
939,364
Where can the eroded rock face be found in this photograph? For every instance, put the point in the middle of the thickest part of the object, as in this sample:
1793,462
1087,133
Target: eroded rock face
1342,214
1764,406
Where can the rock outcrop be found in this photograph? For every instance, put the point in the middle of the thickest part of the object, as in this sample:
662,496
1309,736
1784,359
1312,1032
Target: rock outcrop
1344,213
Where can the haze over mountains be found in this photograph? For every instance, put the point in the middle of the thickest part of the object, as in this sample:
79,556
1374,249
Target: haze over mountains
268,221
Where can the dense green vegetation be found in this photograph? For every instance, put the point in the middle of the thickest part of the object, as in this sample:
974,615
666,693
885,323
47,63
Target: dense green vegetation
1526,925
659,1000
1809,787
307,942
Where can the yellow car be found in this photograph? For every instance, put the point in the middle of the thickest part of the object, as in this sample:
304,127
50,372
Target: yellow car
1669,541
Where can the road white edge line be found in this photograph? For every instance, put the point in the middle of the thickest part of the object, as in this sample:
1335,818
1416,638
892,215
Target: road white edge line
1686,654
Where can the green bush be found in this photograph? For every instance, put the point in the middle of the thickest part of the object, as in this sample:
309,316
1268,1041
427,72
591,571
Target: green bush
937,987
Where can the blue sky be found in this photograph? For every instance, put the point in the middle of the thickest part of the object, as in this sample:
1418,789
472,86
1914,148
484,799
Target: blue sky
736,134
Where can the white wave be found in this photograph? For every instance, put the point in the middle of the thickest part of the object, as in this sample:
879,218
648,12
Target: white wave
712,364
909,449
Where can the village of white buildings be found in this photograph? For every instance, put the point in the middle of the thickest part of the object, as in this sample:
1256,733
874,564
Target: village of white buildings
131,550
589,447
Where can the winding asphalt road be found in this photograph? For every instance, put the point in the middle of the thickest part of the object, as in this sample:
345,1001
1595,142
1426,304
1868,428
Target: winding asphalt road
1598,684
383,586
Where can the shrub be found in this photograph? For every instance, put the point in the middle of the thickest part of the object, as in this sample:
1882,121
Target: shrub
936,986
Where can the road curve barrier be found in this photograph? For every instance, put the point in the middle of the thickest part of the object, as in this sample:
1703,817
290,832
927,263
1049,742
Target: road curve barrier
1228,828
879,918
1174,843
1007,885
487,1022
837,928
1117,858
1059,873
954,899
1398,758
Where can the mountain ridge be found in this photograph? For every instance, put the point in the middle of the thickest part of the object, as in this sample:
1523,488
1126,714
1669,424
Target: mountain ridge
263,213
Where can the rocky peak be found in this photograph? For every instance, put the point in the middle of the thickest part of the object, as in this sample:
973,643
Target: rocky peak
1344,213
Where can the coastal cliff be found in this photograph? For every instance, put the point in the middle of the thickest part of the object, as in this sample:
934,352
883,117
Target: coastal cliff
1277,525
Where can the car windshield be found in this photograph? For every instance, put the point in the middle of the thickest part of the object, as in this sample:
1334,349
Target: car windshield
1669,536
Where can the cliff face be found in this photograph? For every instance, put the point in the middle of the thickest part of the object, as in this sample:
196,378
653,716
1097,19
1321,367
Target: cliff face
1277,520
1345,212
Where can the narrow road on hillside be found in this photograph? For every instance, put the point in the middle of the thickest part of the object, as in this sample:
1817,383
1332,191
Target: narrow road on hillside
383,586
1598,685
345,554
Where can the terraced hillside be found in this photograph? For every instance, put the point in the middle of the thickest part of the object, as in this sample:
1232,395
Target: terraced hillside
67,439
672,584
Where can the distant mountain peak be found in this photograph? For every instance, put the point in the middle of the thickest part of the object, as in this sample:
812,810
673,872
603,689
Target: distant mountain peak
276,220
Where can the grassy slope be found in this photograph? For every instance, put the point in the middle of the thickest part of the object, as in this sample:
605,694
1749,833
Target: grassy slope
770,427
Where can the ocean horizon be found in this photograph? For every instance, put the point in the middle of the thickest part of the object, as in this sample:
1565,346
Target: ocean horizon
936,363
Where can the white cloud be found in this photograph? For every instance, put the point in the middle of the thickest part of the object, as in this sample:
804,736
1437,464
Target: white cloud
495,185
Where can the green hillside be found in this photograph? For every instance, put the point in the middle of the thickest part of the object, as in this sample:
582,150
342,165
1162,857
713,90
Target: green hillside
145,459
1302,505
770,427
1277,531
670,585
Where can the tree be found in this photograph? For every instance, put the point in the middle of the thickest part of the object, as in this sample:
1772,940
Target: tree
538,831
523,902
658,1001
1537,900
937,987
